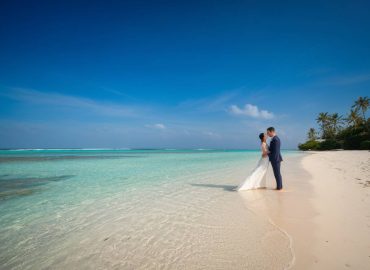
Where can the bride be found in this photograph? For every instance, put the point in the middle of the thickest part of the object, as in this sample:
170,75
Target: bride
257,179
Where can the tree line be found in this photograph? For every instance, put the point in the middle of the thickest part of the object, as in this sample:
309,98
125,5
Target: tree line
338,132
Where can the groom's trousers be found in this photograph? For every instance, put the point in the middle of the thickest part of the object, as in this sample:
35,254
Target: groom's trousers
277,174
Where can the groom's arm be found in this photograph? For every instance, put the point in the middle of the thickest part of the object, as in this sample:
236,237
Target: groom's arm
278,145
272,148
278,150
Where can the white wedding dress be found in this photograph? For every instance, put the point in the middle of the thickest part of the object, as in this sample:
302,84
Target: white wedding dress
257,179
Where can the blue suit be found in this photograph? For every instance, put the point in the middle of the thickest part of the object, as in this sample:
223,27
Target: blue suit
275,159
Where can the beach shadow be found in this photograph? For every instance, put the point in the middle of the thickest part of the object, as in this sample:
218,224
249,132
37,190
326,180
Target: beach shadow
224,187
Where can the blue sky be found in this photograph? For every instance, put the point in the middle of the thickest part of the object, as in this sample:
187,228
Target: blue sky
176,74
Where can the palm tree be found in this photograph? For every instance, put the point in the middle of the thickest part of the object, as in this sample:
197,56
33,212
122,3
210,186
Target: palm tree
336,122
353,118
323,121
362,103
312,134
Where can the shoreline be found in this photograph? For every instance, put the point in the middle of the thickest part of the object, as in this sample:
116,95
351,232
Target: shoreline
323,208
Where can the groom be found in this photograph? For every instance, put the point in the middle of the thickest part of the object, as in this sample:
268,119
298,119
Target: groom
275,156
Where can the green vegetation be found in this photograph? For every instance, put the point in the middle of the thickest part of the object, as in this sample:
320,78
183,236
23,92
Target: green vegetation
336,132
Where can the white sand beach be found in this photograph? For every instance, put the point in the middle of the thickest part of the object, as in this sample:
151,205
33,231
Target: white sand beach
324,208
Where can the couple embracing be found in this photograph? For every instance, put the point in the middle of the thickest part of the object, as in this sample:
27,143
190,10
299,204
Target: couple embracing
257,179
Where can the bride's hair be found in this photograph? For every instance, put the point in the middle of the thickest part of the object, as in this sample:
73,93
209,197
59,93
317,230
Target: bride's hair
261,136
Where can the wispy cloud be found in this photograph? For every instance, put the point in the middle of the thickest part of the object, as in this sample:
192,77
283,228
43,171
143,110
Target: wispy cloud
318,71
157,126
347,80
119,93
252,111
212,135
61,100
210,104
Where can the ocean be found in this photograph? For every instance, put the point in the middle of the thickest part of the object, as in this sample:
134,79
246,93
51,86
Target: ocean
132,209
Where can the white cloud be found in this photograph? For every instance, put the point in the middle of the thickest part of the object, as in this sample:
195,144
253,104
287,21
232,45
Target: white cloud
252,111
157,126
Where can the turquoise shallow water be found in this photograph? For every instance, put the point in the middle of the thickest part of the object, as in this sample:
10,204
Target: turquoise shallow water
82,174
84,208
